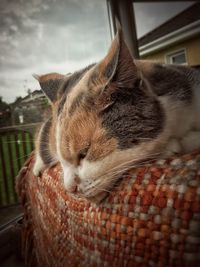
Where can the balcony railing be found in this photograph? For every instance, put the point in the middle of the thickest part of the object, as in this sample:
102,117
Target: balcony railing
16,144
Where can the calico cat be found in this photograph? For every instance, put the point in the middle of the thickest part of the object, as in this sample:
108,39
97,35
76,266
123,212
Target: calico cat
113,114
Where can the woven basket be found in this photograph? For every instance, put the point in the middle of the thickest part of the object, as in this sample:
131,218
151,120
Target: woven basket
152,218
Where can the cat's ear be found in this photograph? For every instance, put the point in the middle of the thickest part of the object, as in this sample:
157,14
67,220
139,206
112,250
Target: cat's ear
118,65
50,84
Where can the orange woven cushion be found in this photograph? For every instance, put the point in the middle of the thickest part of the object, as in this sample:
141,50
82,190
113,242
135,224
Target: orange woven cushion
152,218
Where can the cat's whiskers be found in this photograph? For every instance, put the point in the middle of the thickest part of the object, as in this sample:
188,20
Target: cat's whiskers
94,190
129,164
109,179
24,156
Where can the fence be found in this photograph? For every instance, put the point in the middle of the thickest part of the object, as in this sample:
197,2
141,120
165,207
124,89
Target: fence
16,144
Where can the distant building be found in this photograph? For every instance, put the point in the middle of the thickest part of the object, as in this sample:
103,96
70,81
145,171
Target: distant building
30,109
177,41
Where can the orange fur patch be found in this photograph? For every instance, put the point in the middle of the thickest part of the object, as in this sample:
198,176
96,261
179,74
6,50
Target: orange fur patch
84,130
50,76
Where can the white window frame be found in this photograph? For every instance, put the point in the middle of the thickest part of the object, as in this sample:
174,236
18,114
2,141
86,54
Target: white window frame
168,56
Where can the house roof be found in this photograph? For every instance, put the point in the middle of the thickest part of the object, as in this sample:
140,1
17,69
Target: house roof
186,17
33,95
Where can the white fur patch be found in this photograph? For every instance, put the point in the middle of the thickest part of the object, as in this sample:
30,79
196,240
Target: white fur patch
173,147
68,169
191,141
39,165
69,175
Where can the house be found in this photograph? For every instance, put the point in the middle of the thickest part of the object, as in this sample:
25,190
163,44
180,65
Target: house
30,109
177,41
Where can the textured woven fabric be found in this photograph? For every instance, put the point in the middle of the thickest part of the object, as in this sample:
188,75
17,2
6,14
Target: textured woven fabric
151,218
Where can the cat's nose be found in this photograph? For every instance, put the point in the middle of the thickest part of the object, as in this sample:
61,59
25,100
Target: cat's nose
77,179
71,186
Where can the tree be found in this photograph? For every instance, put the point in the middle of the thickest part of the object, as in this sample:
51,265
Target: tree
5,113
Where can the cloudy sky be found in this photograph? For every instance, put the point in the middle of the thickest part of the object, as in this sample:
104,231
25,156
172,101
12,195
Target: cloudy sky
41,36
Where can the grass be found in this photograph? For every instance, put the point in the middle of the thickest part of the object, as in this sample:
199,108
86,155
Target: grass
15,148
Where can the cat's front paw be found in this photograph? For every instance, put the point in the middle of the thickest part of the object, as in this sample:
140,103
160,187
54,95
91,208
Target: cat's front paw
191,141
172,148
69,179
36,170
38,166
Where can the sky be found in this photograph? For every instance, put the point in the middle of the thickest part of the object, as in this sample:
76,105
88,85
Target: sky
148,16
42,36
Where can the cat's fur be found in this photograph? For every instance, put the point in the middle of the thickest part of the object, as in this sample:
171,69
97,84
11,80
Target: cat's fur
111,115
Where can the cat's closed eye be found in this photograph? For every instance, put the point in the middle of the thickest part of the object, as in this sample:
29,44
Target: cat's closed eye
83,153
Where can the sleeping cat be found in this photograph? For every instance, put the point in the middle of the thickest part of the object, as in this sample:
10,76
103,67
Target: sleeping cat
111,115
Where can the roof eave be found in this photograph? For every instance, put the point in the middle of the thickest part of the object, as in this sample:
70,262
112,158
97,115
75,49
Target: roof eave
181,34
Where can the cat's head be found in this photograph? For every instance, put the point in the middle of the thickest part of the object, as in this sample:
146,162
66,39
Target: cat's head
105,120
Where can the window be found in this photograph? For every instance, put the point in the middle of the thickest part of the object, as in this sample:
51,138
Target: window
48,36
40,37
179,57
164,25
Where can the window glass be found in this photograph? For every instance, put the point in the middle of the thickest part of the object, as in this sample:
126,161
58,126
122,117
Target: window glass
177,58
150,15
39,36
165,27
